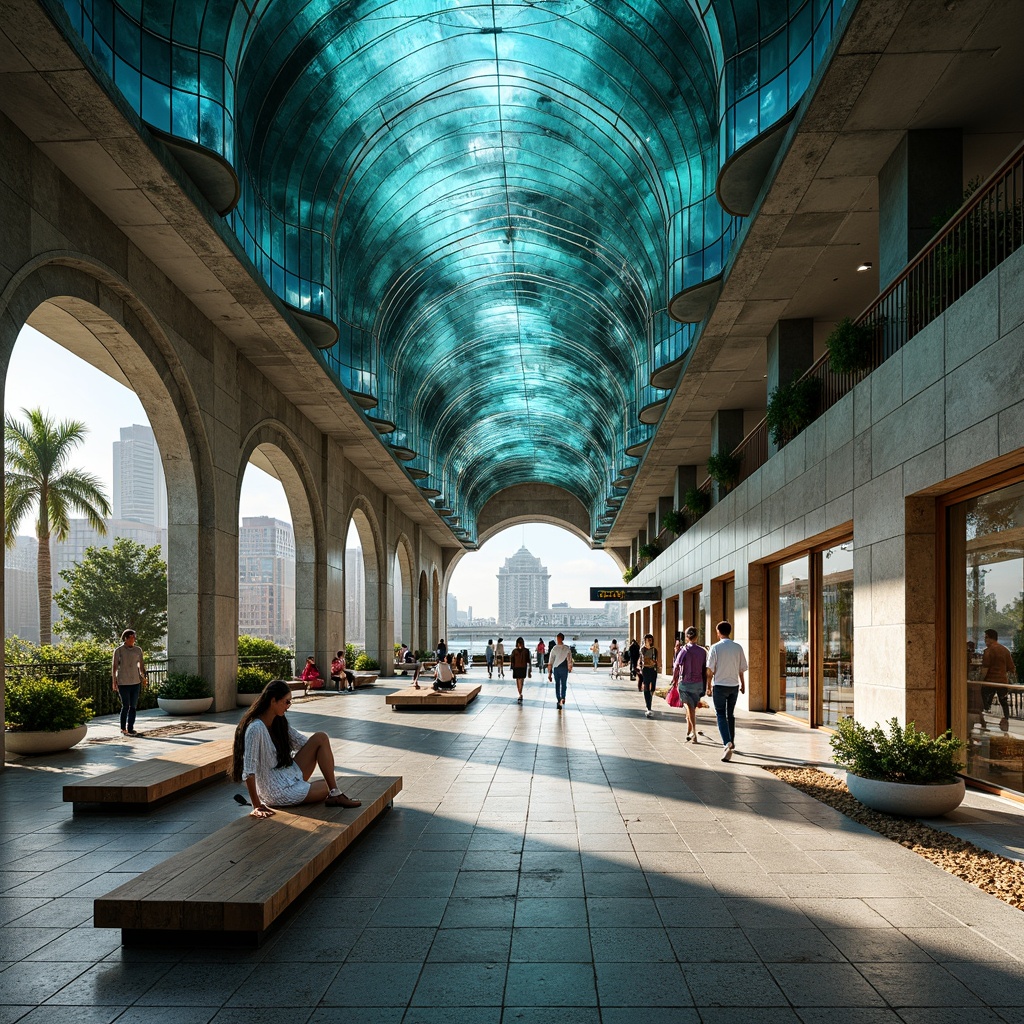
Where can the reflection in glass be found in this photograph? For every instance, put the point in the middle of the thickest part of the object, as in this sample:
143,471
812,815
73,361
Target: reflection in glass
987,539
836,633
794,619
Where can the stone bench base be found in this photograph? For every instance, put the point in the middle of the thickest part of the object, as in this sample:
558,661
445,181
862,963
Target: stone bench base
425,697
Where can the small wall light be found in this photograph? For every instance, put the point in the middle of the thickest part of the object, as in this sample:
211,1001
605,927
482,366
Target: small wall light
865,266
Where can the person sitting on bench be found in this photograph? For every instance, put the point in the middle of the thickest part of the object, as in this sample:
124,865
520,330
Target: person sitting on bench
275,762
444,675
311,675
339,669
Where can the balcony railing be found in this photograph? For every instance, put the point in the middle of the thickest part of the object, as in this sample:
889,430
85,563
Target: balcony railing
983,233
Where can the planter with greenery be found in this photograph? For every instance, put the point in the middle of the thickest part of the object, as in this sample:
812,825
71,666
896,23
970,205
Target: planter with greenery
791,408
184,694
849,346
44,716
628,575
724,469
648,552
251,681
674,521
364,663
696,502
904,771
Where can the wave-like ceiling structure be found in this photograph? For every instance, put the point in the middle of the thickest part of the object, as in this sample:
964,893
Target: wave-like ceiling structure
493,202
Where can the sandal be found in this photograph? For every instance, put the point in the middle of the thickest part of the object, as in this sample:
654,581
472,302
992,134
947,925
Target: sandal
340,800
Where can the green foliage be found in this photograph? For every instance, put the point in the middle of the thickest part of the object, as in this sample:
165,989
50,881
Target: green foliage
628,575
257,647
45,705
724,469
649,551
113,589
904,755
674,521
791,408
849,346
351,653
364,663
184,686
251,679
696,502
18,651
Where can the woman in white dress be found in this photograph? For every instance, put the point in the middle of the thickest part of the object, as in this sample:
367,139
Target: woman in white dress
275,761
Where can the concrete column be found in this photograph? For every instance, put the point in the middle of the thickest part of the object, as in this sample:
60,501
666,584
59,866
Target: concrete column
726,434
920,182
686,477
665,505
653,526
330,597
790,355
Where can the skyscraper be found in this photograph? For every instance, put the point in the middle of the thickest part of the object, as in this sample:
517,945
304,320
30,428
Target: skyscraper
266,579
355,597
140,494
21,591
522,587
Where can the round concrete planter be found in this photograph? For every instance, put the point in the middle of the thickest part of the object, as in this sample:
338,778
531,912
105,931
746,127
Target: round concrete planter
185,707
44,742
245,700
904,799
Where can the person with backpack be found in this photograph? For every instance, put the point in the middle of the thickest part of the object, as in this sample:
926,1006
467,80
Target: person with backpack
648,663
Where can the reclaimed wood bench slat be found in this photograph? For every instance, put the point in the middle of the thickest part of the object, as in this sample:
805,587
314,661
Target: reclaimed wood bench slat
156,778
243,877
410,697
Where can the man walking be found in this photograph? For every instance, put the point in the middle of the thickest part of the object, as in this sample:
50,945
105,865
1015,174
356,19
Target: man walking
634,656
726,665
559,667
128,675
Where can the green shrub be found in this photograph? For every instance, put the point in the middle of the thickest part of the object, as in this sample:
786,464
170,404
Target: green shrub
791,408
252,679
45,705
724,469
674,521
184,686
351,653
257,647
849,346
696,502
364,663
628,575
904,755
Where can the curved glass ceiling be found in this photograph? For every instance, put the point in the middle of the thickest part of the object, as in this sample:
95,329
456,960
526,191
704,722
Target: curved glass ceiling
493,201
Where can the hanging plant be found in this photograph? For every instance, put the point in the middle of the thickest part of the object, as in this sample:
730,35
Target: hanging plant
849,346
791,408
648,551
724,469
628,575
674,521
696,502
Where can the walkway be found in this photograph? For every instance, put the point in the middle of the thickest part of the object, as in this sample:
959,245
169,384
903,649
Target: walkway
538,867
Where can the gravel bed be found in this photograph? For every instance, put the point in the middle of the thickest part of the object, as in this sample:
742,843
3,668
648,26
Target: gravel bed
997,875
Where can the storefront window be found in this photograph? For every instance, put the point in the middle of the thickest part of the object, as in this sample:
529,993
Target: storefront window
986,536
794,622
836,633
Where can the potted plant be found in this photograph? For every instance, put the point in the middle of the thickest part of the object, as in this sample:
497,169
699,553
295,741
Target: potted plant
648,552
44,716
364,663
674,521
184,694
628,575
904,772
791,408
251,681
849,346
724,469
696,502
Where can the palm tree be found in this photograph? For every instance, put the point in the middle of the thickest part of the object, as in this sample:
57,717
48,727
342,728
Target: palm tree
35,457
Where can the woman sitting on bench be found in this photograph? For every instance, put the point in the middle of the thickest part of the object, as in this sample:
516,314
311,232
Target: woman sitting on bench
275,762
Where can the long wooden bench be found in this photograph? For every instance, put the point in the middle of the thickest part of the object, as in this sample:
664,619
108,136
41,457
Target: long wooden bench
365,679
149,782
425,697
232,885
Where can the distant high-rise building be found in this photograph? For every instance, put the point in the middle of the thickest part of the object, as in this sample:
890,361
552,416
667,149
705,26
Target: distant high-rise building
140,494
522,587
266,579
21,589
355,597
452,609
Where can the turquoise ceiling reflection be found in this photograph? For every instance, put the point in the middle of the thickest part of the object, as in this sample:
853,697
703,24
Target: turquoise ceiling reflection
493,202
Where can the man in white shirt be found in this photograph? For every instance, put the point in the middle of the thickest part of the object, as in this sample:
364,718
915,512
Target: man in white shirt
559,667
726,665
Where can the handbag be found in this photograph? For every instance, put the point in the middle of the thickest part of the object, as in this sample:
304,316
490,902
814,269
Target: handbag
672,698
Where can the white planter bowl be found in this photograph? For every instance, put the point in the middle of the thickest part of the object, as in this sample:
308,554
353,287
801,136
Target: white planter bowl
247,699
185,707
904,799
44,742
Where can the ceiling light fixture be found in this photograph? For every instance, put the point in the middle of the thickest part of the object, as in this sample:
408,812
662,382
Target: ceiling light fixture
865,266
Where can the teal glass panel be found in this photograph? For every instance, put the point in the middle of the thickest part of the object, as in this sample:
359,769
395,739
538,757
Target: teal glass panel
493,201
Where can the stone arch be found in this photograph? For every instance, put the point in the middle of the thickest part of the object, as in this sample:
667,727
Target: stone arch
422,620
533,503
404,557
435,607
362,515
93,311
272,447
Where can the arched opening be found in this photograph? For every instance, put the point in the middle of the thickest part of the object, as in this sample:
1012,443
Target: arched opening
363,605
402,574
423,606
435,611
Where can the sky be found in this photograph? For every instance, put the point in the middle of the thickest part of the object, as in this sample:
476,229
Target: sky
45,375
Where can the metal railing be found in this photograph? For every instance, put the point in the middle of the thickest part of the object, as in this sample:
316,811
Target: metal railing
984,232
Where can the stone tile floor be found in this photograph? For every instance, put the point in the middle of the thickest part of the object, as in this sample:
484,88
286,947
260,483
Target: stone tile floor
584,867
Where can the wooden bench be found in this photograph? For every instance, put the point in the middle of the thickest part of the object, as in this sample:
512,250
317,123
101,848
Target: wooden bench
146,783
425,697
365,679
232,886
298,685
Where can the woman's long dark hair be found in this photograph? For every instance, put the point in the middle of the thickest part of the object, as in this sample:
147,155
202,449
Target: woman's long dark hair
274,690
